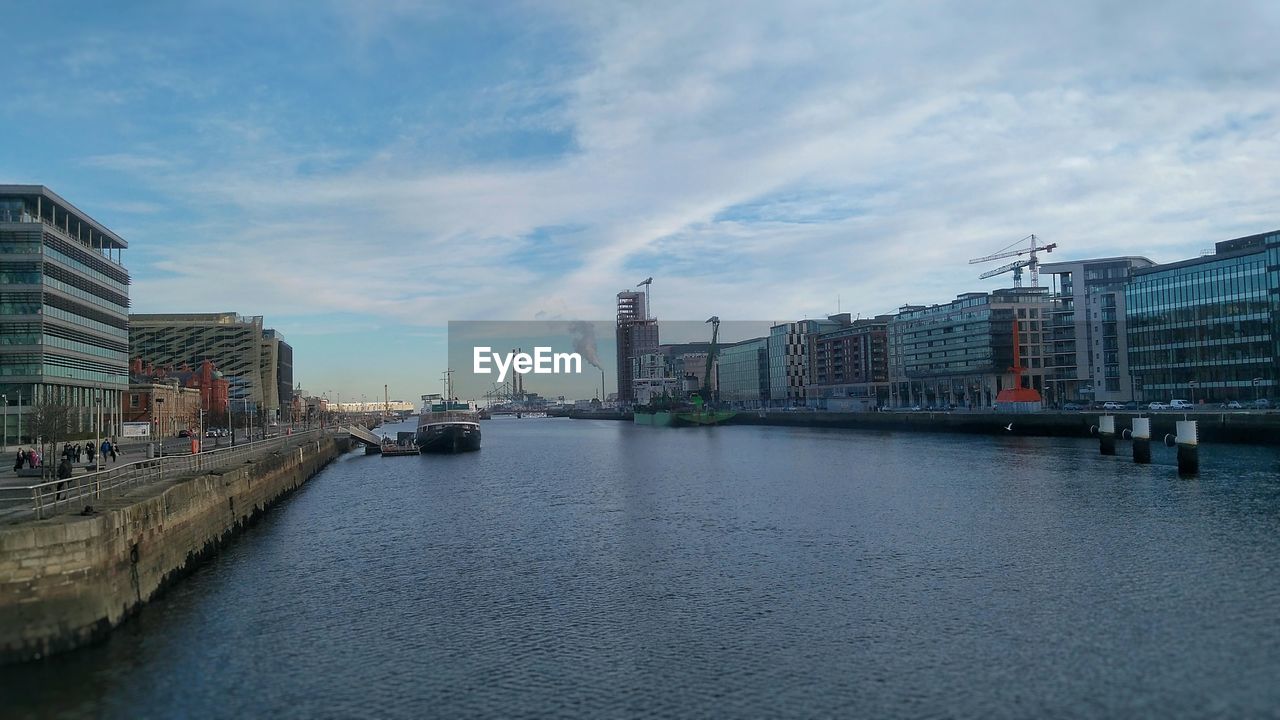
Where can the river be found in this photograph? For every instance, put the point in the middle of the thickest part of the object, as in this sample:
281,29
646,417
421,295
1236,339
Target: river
597,569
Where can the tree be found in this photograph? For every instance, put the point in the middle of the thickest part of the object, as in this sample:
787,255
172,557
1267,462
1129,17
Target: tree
51,422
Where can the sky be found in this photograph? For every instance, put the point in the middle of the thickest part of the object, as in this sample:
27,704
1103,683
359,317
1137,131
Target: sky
361,174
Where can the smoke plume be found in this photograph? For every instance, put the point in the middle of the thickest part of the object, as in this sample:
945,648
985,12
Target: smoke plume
584,341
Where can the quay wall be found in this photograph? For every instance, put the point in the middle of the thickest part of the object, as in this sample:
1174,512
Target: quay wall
68,580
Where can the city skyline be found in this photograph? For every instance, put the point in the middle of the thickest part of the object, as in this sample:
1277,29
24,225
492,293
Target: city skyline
416,167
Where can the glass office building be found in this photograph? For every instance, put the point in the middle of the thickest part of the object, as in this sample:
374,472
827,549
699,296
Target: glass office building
1204,329
743,373
64,311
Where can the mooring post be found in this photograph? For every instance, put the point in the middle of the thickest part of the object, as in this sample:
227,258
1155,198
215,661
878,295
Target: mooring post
1188,440
1142,440
1107,434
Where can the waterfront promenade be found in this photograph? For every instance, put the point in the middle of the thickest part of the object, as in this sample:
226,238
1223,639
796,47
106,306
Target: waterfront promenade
76,560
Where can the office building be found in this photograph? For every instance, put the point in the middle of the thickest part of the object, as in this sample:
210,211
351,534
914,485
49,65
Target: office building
742,371
789,358
961,353
244,352
64,311
1206,329
1088,348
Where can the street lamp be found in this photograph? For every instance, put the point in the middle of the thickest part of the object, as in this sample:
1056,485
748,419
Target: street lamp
5,398
160,423
97,430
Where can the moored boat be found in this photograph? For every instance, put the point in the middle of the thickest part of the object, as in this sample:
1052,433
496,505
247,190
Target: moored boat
447,426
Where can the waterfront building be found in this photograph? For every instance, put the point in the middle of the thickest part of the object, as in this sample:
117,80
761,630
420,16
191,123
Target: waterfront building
961,353
637,334
166,404
64,311
277,360
206,380
849,366
742,371
1206,329
789,357
1088,353
234,343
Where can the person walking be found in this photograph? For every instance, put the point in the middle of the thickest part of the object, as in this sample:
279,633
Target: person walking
105,449
90,451
64,474
113,449
19,461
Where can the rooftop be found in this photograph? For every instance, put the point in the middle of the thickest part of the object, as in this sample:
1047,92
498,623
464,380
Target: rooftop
51,202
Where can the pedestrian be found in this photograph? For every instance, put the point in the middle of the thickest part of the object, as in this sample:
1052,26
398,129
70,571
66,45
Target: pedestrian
106,449
89,451
38,459
64,474
19,461
113,450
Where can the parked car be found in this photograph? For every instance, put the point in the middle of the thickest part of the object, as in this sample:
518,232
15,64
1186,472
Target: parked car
184,433
1180,404
1158,406
1234,405
211,433
1073,406
916,408
1262,403
1112,405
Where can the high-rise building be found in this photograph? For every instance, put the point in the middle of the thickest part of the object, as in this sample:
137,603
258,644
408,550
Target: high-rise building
1088,352
246,353
961,353
1207,329
64,311
637,335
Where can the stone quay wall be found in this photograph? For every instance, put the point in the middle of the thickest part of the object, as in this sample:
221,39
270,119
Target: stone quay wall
68,580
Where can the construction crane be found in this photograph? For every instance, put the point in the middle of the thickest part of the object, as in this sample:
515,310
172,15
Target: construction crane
1030,262
711,357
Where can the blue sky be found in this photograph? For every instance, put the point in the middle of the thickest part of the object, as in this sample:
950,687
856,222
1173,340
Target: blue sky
363,173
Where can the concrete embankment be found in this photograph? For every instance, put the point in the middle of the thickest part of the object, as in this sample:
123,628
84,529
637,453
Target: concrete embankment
1231,427
68,580
1253,428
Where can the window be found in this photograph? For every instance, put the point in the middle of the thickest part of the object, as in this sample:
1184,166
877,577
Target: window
133,400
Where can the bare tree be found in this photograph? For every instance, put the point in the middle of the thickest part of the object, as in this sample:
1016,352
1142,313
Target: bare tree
51,422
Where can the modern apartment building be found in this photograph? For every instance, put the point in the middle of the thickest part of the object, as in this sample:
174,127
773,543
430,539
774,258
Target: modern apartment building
239,346
789,358
64,311
1207,329
637,334
1088,354
849,366
961,352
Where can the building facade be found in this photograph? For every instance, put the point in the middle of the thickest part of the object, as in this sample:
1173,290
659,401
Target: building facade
637,334
1206,329
166,404
64,311
849,366
743,373
1088,354
961,353
246,353
789,358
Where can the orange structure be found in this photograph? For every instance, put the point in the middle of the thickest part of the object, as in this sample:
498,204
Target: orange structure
1017,393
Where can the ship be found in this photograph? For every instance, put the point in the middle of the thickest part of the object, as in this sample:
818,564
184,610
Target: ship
695,414
447,426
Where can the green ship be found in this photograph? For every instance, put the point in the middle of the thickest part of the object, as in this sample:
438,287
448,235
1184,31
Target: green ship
691,417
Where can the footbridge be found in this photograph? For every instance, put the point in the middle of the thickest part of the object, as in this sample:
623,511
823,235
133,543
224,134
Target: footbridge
365,436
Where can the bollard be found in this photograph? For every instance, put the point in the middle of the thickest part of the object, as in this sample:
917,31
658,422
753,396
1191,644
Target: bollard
1188,439
151,451
1142,440
1107,434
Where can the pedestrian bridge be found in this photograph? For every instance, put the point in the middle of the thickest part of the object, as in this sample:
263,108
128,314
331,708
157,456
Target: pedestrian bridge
364,436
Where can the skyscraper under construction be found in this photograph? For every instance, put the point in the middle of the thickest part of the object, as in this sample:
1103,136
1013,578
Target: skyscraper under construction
637,335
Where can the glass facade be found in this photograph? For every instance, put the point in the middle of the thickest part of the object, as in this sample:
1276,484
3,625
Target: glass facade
64,308
743,373
1205,329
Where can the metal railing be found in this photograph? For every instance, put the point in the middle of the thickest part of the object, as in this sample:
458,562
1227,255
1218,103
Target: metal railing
49,497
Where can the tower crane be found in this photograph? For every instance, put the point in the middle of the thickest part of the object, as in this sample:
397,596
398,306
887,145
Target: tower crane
1030,262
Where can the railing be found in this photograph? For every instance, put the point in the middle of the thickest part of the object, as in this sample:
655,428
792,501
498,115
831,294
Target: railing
50,497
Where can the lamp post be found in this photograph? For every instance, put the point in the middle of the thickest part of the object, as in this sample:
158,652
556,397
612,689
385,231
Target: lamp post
97,430
6,421
160,423
1257,384
249,430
